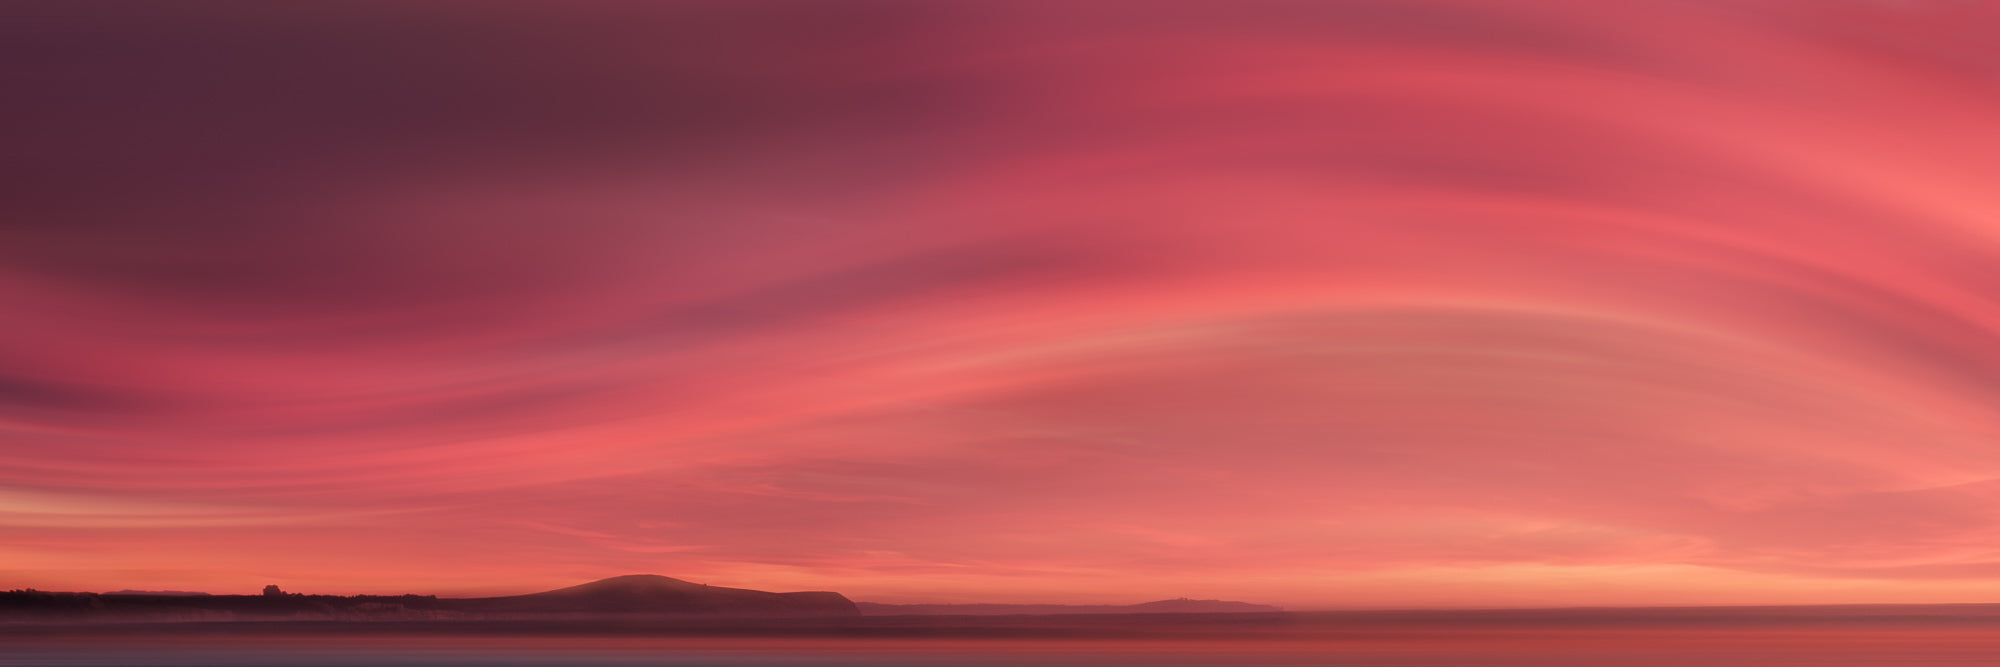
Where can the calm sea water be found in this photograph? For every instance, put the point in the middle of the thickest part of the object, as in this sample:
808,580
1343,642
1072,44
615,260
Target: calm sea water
1710,647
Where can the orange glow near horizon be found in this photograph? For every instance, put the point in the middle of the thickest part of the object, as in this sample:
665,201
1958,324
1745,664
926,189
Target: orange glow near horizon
1319,304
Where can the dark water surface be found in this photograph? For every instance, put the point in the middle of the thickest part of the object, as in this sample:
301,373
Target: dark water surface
1965,636
1915,649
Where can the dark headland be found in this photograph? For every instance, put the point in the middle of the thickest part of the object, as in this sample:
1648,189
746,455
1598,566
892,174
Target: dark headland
631,597
640,595
661,607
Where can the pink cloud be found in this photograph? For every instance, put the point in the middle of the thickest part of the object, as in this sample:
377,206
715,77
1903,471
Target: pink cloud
1314,302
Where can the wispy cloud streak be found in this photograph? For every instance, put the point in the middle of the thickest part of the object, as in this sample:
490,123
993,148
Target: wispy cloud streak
1309,303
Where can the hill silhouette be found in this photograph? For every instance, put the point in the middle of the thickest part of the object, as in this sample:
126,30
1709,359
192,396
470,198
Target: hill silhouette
639,595
655,594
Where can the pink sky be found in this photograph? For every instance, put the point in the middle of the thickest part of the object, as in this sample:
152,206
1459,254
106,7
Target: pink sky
1319,304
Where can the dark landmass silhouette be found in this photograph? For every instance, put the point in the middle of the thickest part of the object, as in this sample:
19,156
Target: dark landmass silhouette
651,593
1398,629
1175,606
641,595
183,594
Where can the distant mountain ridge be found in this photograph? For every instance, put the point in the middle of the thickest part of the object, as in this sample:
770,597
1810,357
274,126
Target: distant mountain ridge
639,595
629,596
1175,606
655,594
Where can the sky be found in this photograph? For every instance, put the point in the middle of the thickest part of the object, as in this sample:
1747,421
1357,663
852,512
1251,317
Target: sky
1430,303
